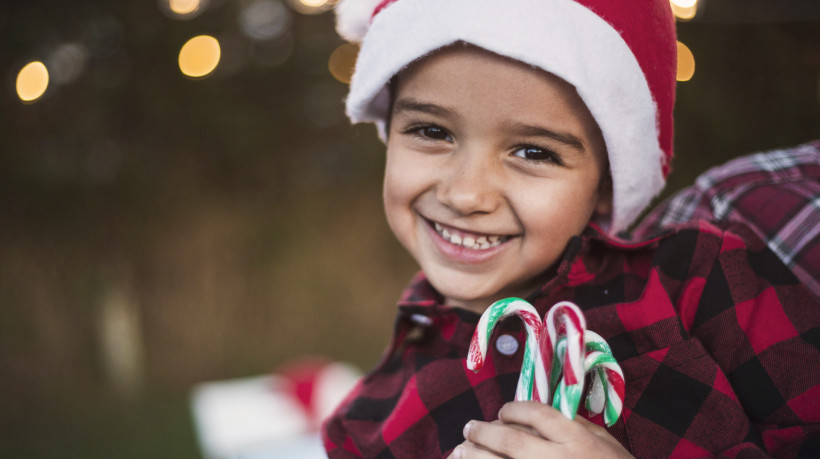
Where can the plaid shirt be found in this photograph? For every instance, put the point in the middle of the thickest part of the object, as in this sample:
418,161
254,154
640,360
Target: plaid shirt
718,341
776,194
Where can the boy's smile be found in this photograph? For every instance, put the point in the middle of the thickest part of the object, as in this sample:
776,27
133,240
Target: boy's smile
492,166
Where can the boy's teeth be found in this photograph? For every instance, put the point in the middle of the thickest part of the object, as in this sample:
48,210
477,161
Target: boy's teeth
470,242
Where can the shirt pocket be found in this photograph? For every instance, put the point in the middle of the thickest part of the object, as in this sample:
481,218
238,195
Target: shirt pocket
679,402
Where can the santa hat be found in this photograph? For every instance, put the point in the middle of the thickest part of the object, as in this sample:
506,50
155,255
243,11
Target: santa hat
620,55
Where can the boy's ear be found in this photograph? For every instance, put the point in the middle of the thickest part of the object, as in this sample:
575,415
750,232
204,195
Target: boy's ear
604,205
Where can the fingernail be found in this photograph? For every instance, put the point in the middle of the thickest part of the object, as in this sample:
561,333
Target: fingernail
467,428
457,452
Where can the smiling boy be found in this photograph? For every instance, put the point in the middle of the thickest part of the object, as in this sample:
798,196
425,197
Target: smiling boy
522,136
476,142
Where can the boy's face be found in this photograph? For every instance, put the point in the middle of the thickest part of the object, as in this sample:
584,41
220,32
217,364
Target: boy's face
492,166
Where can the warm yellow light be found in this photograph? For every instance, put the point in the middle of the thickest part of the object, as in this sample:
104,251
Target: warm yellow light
684,3
684,9
199,56
311,6
184,6
686,63
32,81
342,61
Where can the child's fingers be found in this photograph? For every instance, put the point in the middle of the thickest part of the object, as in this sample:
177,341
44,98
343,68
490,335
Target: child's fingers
503,440
594,428
544,419
468,450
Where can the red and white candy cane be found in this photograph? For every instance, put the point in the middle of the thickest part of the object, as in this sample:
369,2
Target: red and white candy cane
562,350
532,321
558,355
606,393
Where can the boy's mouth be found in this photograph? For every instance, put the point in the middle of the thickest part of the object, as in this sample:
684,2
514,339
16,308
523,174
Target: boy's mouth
473,241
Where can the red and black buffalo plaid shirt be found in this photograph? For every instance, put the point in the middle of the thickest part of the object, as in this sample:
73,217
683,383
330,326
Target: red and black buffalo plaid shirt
776,194
718,341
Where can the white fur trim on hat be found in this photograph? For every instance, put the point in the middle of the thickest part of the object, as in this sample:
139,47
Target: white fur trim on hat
353,18
559,36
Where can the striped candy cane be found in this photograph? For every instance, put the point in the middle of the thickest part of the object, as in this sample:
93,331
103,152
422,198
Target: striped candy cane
532,321
565,325
558,355
607,388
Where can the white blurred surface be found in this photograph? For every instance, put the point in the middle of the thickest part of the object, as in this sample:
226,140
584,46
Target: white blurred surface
260,417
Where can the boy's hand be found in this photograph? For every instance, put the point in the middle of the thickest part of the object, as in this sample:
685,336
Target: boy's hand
533,429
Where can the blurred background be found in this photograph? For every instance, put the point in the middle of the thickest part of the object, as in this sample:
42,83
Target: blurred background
182,199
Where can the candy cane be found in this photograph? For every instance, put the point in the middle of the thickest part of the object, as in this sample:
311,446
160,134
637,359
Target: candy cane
567,350
565,335
606,392
532,321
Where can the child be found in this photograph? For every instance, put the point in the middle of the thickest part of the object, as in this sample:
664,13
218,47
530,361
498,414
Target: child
522,135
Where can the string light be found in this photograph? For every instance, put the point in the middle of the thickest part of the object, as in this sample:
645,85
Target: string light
684,9
312,6
183,7
313,3
686,63
342,61
32,81
684,3
199,56
264,19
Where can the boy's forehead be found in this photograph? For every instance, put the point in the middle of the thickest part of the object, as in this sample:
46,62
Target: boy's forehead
452,63
478,55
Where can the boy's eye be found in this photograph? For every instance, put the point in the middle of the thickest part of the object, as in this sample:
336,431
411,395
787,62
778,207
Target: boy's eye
538,155
432,133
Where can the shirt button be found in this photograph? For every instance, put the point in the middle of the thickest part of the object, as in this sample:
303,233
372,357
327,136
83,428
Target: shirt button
421,319
506,344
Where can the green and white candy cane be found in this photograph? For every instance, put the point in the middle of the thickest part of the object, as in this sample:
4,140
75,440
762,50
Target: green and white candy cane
607,388
532,322
559,353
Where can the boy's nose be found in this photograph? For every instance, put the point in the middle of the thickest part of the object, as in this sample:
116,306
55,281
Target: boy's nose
467,186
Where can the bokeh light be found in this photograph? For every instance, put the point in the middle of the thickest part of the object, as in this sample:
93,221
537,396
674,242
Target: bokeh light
686,63
342,61
312,6
264,19
182,9
183,6
199,56
67,62
684,9
32,81
684,3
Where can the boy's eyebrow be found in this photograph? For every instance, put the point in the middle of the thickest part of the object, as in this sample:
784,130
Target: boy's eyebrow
536,131
412,105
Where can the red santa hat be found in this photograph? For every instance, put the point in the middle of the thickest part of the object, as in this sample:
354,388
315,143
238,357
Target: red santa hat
620,55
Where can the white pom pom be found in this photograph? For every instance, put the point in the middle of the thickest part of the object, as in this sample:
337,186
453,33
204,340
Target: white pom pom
353,18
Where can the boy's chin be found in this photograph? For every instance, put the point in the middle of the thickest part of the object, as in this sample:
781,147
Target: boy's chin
473,299
478,294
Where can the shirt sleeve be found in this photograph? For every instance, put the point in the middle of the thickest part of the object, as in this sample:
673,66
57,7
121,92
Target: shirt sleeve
762,327
776,194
